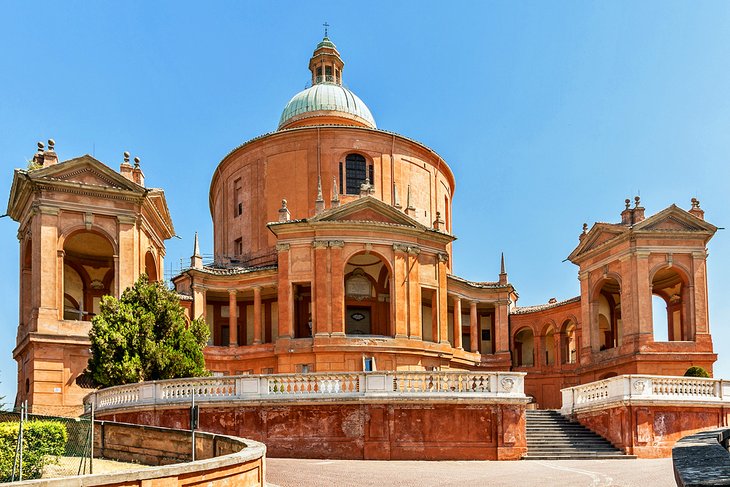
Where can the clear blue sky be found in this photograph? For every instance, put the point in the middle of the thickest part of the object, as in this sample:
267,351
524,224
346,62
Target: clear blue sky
549,113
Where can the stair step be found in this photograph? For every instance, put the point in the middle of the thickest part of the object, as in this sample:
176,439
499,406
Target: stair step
551,436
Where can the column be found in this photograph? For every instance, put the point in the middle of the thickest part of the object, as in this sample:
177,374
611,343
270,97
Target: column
232,318
257,329
457,323
319,293
415,322
443,298
127,267
336,325
434,317
643,323
696,313
501,327
474,326
286,324
399,291
558,337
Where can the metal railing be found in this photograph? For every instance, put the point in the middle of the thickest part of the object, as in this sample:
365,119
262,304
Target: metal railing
506,385
685,390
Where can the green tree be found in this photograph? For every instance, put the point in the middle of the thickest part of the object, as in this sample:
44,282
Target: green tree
144,336
696,371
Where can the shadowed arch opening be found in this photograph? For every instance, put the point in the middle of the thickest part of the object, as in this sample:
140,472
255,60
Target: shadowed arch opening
150,267
569,342
607,317
88,274
669,306
549,346
524,347
367,296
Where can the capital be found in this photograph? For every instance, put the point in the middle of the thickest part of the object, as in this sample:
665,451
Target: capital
320,244
337,243
282,247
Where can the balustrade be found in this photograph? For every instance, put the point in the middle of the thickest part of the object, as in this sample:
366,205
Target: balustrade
684,390
282,386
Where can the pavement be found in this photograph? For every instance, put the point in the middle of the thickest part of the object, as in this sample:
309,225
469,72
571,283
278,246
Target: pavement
286,472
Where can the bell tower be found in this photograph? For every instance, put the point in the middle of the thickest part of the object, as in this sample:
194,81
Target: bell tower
85,231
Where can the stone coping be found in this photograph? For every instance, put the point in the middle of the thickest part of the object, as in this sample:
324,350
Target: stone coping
702,459
362,387
637,389
249,451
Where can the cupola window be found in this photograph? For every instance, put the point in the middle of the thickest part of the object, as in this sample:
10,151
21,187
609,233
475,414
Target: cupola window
357,171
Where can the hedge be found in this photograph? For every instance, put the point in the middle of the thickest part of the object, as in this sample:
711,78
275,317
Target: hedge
42,441
696,371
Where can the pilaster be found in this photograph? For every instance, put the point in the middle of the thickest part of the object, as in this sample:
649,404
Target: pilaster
286,324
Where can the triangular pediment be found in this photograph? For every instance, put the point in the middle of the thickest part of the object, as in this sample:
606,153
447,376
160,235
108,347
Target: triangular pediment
367,209
674,219
600,234
87,171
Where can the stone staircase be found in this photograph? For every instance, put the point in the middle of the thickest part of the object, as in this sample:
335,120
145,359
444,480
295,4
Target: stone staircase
551,436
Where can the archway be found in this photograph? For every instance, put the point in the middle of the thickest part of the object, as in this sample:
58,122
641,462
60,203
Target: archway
367,296
668,289
608,318
569,345
549,346
524,348
88,274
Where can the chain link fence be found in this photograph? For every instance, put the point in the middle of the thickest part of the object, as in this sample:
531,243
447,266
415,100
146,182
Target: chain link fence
50,446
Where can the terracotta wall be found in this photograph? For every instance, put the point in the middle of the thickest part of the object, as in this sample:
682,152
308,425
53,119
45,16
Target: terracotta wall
651,431
221,461
363,431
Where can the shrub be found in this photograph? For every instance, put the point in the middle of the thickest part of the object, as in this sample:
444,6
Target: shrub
42,441
695,371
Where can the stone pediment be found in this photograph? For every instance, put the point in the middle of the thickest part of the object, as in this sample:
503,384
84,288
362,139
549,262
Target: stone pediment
367,209
600,234
674,219
87,171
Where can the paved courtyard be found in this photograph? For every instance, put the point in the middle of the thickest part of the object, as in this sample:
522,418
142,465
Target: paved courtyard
284,472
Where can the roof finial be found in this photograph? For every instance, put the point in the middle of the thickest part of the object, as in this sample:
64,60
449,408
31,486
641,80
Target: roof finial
502,271
335,202
126,158
326,26
196,246
51,145
628,203
637,200
136,162
585,228
41,146
319,202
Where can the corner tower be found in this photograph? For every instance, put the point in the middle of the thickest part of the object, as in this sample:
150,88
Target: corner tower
85,231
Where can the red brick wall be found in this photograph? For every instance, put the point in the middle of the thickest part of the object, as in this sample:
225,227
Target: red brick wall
651,431
403,431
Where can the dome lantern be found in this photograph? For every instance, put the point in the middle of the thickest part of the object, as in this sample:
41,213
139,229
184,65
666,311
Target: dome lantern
326,101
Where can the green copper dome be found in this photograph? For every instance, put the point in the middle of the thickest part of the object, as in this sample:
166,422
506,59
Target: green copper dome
327,97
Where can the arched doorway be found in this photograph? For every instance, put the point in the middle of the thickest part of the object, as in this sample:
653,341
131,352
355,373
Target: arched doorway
608,319
88,274
367,296
669,291
524,348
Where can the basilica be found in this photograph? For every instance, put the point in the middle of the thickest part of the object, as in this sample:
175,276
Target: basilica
332,253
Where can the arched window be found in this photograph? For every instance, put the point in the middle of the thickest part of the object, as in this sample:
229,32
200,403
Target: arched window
356,172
